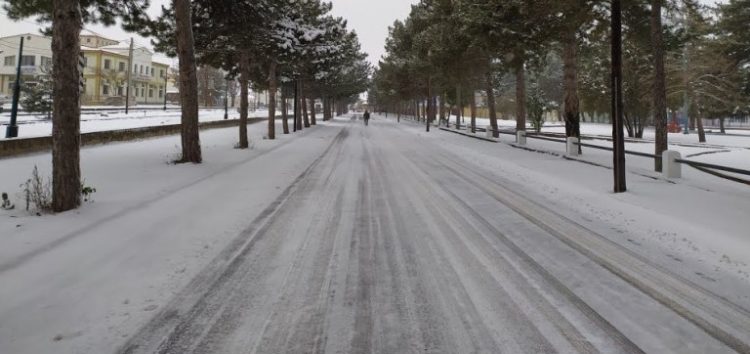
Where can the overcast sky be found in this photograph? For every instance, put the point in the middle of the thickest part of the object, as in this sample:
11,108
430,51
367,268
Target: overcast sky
369,18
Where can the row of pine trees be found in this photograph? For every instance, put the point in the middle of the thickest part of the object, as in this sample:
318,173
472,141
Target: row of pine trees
676,54
292,46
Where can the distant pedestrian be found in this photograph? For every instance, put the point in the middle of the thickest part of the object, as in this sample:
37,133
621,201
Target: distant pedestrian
6,204
366,116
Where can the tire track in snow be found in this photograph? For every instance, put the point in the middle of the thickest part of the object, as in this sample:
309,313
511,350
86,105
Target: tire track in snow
167,327
722,320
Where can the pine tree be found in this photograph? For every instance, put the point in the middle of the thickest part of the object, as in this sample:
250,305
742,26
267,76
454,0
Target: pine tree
67,18
38,98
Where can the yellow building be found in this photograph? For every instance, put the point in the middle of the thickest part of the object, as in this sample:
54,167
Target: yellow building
105,74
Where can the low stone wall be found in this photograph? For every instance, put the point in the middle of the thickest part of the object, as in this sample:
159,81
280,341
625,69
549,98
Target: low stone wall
21,146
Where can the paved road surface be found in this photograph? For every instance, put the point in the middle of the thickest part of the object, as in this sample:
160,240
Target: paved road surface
389,244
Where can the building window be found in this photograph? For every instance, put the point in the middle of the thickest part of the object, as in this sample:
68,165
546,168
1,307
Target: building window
46,62
152,71
105,88
161,92
120,90
161,73
107,64
150,92
88,40
10,61
122,67
141,69
28,60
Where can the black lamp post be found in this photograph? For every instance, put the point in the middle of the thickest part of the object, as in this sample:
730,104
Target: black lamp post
12,130
166,75
618,137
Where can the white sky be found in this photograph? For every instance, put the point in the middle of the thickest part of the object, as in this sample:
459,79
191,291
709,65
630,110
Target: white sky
369,18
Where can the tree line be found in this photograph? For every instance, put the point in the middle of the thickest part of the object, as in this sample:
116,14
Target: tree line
296,47
532,56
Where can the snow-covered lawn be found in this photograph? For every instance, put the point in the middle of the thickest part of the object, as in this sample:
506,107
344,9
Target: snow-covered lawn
732,149
35,126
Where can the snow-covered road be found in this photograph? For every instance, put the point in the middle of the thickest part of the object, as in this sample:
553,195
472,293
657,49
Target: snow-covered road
381,246
382,241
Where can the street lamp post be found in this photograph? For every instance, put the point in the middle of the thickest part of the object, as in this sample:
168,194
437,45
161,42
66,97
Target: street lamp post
618,137
166,75
12,130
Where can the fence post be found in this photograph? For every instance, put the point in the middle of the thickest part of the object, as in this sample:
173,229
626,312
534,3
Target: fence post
671,168
572,146
521,137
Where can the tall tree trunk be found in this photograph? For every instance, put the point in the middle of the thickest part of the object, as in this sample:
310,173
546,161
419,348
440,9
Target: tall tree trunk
473,109
722,127
571,101
660,86
272,88
433,117
520,97
244,104
442,108
326,115
699,123
299,104
305,115
458,106
490,90
701,131
191,144
284,113
313,119
66,118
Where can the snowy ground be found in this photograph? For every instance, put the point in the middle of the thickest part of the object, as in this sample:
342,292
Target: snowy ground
35,126
380,239
731,149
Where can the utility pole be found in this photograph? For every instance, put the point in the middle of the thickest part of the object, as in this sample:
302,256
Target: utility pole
618,137
130,74
12,130
685,63
166,82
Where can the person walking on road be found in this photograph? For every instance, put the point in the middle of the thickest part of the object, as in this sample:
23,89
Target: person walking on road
366,116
